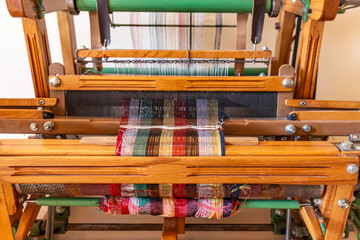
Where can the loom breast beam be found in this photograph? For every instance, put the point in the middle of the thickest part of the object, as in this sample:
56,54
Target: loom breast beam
323,104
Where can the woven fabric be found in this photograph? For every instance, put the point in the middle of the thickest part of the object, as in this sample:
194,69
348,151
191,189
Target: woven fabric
170,207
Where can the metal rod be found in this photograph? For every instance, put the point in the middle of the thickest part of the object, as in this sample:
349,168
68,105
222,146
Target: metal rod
94,202
172,61
288,222
49,232
224,6
158,227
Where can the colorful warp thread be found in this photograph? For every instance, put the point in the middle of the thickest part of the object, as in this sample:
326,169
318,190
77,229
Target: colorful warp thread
171,207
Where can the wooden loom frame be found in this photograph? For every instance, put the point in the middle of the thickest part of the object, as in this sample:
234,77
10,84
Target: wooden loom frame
16,167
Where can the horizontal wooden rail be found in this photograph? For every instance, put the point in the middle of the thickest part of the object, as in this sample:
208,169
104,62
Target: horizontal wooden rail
25,114
170,83
28,102
115,53
328,115
241,127
299,103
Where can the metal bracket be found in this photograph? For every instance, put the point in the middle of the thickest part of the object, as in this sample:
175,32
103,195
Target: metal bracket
40,8
305,11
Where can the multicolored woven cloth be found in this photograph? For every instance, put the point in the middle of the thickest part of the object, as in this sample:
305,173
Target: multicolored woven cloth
171,207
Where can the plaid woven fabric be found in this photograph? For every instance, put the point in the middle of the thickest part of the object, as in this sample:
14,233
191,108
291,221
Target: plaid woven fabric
170,207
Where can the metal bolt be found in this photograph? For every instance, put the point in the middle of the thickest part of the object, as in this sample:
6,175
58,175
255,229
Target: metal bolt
343,203
59,209
49,125
262,74
58,137
55,81
279,212
353,168
288,82
34,127
347,145
290,129
307,128
316,202
303,11
284,138
354,137
264,48
75,137
41,101
303,103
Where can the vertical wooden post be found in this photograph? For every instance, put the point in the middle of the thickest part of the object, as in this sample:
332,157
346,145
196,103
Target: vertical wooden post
27,220
5,222
170,228
337,219
284,41
95,37
37,44
67,40
240,41
307,63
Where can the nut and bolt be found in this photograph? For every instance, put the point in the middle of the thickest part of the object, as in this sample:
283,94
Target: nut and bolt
307,128
49,125
347,145
290,129
316,202
352,168
41,101
55,81
279,212
343,203
303,103
34,127
59,209
288,82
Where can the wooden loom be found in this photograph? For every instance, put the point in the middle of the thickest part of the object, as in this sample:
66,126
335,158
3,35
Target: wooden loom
69,161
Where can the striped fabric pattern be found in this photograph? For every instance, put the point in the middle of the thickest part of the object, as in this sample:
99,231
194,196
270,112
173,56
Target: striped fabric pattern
171,207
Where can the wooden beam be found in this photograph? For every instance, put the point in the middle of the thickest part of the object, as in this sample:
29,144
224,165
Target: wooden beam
67,40
311,222
240,41
133,53
25,114
39,54
27,220
306,103
28,102
6,231
170,83
327,115
170,228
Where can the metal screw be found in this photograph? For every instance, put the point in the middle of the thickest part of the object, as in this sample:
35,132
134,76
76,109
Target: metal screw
290,129
307,128
41,101
288,82
264,48
34,127
59,209
279,212
262,74
347,145
316,202
303,103
343,203
55,81
353,168
49,125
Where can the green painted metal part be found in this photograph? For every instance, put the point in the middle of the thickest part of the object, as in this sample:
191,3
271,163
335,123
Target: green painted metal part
278,222
224,6
94,202
306,9
247,71
355,219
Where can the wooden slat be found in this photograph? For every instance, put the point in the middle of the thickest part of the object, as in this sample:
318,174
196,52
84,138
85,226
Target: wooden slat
67,40
51,147
320,9
338,216
168,83
130,53
239,127
328,115
5,222
240,41
95,38
323,104
27,102
311,222
170,229
249,169
12,199
27,220
23,113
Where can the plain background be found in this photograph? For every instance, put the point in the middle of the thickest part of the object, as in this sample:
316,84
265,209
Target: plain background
338,80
